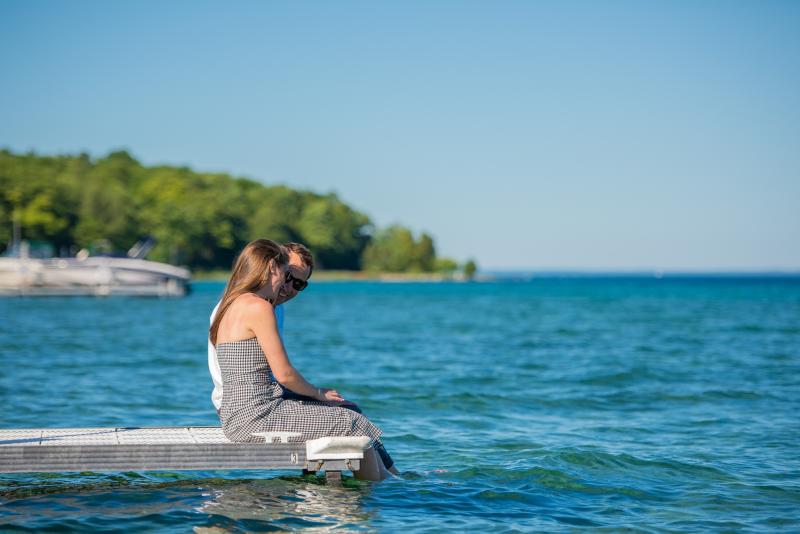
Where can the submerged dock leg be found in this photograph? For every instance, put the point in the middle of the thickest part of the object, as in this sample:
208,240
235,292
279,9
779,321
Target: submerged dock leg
334,477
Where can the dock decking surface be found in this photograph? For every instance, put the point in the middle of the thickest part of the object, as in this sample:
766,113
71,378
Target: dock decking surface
49,437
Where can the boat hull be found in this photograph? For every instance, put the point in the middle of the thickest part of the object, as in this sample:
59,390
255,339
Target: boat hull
98,276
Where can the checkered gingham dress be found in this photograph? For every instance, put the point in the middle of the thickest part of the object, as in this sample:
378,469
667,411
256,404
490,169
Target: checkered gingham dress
251,402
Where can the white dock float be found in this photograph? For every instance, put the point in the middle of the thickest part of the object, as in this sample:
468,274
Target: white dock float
170,448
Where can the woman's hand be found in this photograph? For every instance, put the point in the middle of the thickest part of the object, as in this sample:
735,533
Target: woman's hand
329,395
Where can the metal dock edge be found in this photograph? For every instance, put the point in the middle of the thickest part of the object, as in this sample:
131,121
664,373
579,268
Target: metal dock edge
144,449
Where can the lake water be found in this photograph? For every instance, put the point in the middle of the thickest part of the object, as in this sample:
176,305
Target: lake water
552,405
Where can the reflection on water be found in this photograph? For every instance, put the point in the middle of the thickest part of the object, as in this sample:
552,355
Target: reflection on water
185,502
280,503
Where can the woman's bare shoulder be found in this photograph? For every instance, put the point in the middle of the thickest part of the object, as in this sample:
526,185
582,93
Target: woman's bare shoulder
252,303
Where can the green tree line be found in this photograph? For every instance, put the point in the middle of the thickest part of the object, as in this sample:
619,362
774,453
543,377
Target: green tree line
198,219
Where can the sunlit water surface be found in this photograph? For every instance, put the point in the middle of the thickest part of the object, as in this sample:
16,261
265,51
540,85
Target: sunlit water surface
550,405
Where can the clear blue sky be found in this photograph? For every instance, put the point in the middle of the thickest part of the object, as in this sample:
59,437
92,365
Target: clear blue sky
583,135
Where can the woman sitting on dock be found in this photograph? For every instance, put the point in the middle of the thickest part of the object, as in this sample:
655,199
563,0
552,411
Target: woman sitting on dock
251,353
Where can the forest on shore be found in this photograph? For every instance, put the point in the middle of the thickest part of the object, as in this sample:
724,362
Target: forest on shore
198,219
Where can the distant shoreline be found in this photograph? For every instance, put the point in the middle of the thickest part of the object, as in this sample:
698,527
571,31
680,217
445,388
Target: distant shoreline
521,276
352,276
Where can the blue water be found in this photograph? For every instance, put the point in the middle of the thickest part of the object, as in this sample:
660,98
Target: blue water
552,405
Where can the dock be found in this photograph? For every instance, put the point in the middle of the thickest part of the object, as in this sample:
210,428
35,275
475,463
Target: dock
172,449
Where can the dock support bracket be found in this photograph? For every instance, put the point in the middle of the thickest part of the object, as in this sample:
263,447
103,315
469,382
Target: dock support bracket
335,454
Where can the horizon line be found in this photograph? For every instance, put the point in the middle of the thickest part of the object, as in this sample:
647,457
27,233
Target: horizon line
639,271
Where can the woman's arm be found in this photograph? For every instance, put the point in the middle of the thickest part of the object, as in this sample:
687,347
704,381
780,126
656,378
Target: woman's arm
260,318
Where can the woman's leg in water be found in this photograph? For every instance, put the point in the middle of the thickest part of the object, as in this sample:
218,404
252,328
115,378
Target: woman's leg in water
372,467
385,458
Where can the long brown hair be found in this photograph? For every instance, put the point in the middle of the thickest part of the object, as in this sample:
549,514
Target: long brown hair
250,274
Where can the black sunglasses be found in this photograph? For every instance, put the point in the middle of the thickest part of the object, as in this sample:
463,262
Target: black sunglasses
297,284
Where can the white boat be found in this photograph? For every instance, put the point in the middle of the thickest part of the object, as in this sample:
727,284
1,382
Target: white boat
22,274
